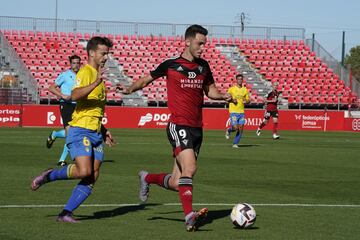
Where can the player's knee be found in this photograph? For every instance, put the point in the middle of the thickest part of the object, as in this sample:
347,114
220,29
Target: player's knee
174,184
84,172
189,171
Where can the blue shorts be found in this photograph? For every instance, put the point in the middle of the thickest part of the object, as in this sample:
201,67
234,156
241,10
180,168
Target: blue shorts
237,119
85,142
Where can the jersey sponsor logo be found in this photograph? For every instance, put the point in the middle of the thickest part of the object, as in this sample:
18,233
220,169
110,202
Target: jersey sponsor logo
356,124
77,83
158,119
191,75
191,83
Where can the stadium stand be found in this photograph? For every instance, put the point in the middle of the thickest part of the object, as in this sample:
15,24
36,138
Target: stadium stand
16,84
303,78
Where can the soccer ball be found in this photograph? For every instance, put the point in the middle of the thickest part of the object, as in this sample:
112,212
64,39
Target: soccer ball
243,215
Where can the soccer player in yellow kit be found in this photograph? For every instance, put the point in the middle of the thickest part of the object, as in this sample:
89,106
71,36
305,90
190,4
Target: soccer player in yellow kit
86,133
240,95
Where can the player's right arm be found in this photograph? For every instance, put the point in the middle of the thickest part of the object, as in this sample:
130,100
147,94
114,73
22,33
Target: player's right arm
247,96
107,136
139,84
83,86
213,93
160,71
274,100
231,92
54,88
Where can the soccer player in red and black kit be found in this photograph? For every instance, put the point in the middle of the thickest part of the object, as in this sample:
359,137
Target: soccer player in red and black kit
188,78
271,111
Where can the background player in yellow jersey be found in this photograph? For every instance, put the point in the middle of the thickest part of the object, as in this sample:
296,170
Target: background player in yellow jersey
240,96
86,133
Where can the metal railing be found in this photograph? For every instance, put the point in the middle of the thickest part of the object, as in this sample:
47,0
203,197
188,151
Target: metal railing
142,28
165,29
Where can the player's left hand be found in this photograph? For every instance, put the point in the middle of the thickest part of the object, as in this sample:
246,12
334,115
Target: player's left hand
65,97
227,97
102,74
123,89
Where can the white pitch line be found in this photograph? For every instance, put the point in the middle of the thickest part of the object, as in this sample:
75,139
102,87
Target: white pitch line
195,204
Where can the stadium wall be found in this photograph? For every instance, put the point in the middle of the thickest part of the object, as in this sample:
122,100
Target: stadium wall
124,117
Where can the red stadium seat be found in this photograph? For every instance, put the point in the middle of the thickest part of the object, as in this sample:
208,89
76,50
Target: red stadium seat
87,36
287,62
78,35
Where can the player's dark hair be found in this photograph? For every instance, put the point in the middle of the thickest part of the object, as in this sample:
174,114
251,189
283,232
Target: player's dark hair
74,57
239,75
194,29
95,41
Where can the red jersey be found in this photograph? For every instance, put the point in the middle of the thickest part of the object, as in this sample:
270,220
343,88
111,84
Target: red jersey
272,106
185,88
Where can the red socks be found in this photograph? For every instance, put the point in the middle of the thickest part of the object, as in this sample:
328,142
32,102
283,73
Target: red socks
185,194
158,179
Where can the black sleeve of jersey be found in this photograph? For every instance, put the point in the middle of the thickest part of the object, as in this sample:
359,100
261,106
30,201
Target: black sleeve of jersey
209,78
161,70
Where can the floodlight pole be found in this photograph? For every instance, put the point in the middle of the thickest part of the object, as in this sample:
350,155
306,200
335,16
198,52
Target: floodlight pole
242,22
313,42
56,14
343,49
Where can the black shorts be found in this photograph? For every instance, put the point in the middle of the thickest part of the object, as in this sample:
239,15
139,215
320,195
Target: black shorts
268,114
184,137
66,110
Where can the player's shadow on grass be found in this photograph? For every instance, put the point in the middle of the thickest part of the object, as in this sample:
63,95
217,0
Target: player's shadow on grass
217,214
211,216
115,212
166,218
248,145
174,220
108,161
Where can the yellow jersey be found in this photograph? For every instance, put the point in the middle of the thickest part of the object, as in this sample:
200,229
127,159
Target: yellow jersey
90,110
241,95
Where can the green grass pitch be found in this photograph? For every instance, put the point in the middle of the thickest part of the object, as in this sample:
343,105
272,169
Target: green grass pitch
303,186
